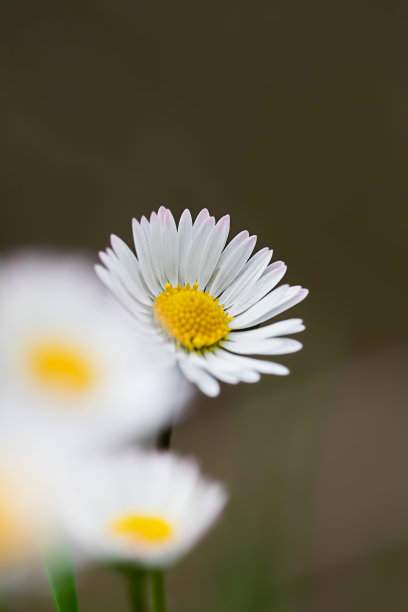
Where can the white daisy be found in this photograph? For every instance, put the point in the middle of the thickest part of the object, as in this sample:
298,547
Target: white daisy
198,295
147,508
25,512
72,362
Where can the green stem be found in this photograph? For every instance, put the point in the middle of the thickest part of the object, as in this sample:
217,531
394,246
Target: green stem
136,579
164,439
61,578
157,591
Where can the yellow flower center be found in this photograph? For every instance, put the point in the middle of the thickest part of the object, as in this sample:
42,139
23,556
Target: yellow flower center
190,317
16,537
61,366
145,528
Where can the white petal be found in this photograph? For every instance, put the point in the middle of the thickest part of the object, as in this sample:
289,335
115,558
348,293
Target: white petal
104,276
269,279
201,217
249,376
206,383
232,266
144,256
299,297
126,267
212,250
156,248
119,272
245,281
235,242
185,236
170,248
281,328
113,284
259,365
267,306
228,371
202,361
123,252
273,346
194,257
231,246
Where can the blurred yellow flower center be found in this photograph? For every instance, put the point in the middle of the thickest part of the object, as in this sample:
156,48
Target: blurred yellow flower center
190,317
138,527
11,537
61,366
15,534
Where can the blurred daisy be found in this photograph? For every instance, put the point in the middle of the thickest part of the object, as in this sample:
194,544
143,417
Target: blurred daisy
72,362
145,508
196,294
25,513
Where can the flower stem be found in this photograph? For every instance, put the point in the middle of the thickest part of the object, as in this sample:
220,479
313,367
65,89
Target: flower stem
164,439
136,579
61,578
157,591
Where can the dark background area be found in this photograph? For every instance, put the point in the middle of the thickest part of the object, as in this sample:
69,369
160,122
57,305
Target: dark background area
292,116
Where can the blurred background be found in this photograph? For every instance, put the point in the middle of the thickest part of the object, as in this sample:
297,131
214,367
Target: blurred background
291,116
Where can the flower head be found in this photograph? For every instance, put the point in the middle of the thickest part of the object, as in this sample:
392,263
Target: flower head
197,295
73,365
26,514
149,508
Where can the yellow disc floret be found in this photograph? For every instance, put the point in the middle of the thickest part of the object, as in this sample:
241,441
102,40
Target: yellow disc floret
192,318
59,366
145,528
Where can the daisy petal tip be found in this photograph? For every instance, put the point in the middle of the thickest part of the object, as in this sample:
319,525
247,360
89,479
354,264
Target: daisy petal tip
185,217
282,371
104,258
100,271
212,392
115,241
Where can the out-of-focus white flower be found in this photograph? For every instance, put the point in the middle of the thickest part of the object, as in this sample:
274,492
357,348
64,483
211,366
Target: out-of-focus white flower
199,296
26,515
72,365
148,508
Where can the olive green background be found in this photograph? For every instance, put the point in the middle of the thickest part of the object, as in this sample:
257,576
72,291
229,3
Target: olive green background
293,117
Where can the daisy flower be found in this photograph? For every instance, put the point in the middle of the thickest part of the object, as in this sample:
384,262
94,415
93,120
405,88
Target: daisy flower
147,508
72,363
25,512
208,302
